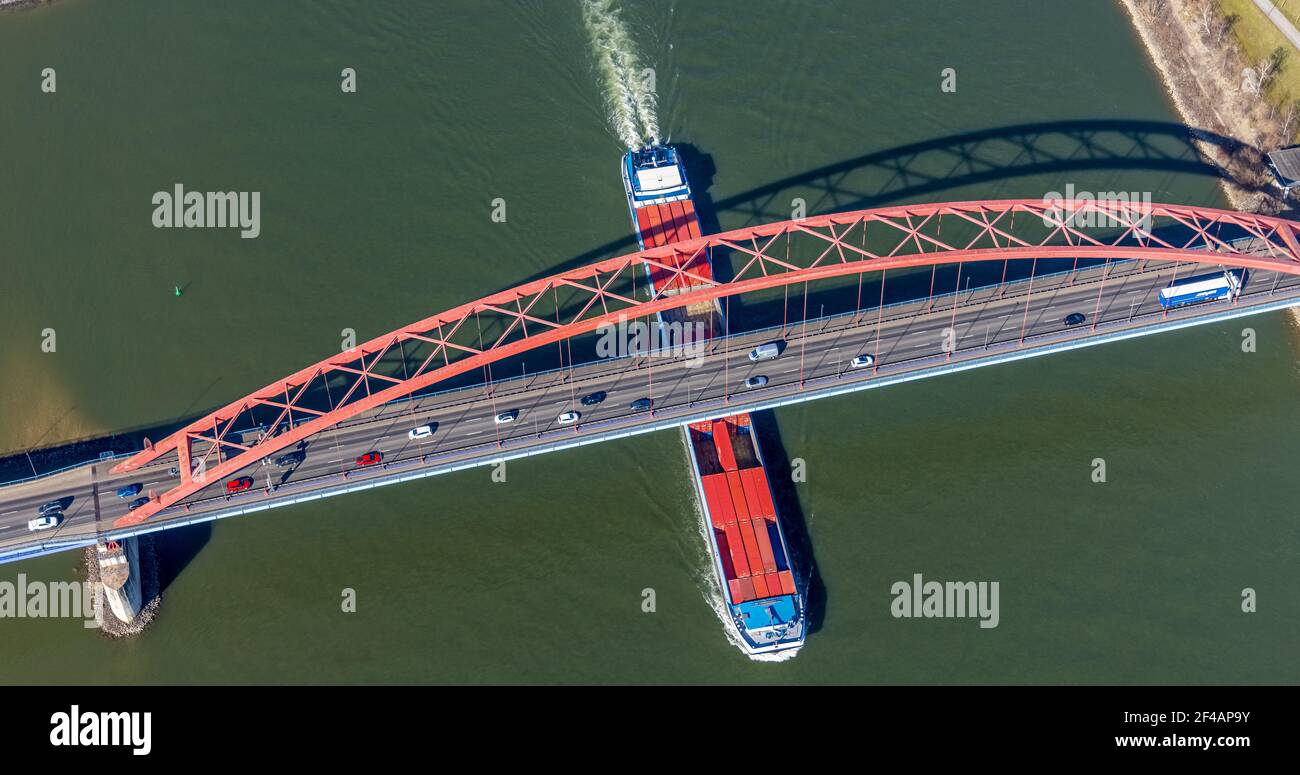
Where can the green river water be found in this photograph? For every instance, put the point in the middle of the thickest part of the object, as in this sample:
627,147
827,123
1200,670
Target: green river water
376,211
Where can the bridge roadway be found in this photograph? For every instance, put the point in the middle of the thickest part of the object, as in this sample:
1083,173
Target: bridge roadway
907,339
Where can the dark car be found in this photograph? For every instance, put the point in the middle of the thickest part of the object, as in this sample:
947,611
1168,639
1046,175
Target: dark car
129,490
240,484
46,508
1074,318
291,459
593,398
370,458
642,404
137,503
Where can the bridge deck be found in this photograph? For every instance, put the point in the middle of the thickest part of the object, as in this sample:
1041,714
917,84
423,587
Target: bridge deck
907,341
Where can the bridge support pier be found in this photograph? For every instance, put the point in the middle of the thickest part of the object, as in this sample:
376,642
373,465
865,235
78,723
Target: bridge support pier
120,576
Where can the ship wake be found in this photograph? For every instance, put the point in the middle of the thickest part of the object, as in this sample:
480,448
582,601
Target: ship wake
629,96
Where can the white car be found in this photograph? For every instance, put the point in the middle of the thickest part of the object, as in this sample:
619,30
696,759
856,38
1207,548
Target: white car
506,417
568,418
422,432
45,521
862,361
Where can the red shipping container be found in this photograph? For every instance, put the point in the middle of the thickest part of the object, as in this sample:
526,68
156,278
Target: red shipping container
737,594
724,555
736,548
752,555
752,479
722,440
764,493
737,491
746,590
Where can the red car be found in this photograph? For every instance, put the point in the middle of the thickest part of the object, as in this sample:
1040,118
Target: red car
370,459
240,484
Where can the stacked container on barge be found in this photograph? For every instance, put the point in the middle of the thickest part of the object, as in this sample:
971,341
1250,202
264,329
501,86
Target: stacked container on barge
751,559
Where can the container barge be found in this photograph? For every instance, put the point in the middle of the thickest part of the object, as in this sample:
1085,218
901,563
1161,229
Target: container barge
751,560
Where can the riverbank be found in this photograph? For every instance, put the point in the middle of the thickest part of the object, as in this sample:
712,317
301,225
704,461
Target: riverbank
1201,67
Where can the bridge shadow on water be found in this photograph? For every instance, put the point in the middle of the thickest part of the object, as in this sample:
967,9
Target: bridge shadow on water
910,173
176,549
917,171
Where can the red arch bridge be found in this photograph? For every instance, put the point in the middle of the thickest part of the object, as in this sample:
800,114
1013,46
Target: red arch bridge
477,334
1089,245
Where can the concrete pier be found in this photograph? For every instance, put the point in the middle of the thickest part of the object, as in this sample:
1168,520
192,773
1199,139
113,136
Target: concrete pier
124,575
119,572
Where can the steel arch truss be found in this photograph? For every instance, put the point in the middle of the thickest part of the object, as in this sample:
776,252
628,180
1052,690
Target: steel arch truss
476,335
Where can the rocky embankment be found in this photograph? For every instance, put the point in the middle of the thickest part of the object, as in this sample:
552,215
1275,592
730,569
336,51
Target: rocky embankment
1194,50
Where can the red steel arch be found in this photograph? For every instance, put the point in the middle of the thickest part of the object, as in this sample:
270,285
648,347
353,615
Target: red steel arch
887,238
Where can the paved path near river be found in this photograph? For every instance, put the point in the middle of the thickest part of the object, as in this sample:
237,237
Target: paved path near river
1282,23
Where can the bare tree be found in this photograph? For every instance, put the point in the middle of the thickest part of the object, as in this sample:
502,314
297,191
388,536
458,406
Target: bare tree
1153,9
1226,23
1255,80
1288,121
1208,21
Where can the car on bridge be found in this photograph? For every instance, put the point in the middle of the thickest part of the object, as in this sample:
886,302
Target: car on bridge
45,521
50,507
592,399
756,382
422,432
239,485
862,361
129,490
642,405
291,459
568,418
765,352
137,503
1075,319
373,457
506,417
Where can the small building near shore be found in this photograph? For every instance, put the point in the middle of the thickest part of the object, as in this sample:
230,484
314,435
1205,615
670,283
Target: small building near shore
1285,166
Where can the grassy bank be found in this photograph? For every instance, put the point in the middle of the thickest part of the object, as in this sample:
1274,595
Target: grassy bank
1259,38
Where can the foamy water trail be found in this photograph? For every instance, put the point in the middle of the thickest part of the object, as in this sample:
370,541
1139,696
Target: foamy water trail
633,106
